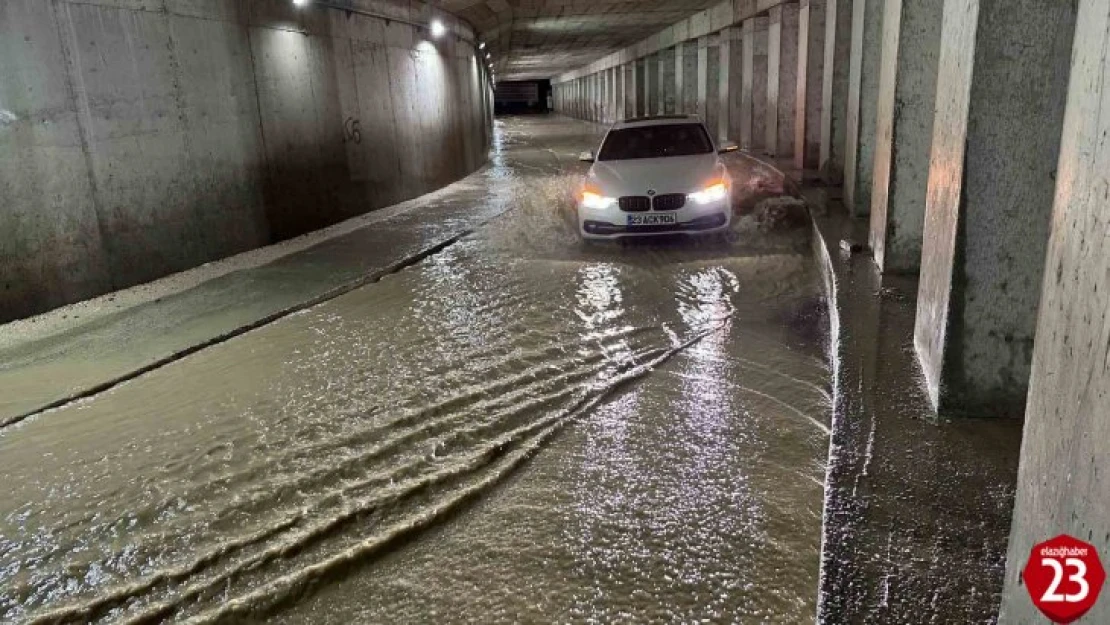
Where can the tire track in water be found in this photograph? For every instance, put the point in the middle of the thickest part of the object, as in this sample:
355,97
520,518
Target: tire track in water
504,391
584,395
259,602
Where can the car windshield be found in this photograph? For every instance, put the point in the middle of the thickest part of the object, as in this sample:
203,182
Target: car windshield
655,142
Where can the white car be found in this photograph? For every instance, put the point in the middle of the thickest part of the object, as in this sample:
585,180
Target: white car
655,175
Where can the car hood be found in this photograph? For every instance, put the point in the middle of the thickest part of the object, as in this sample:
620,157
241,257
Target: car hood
673,174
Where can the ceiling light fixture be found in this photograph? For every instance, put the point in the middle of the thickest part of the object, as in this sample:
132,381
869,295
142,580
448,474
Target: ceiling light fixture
300,3
437,28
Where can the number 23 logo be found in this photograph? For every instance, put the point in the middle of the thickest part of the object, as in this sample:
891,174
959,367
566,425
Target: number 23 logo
1052,595
1064,577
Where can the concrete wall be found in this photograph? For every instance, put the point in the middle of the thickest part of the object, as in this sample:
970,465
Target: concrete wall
834,89
142,138
759,66
660,82
782,79
1001,89
1062,480
863,92
904,129
709,72
730,66
810,74
688,87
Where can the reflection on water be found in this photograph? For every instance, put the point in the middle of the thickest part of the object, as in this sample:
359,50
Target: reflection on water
516,429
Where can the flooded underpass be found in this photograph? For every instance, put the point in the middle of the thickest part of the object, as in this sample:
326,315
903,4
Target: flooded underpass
519,427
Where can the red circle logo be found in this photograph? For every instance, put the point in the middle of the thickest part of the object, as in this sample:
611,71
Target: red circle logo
1064,577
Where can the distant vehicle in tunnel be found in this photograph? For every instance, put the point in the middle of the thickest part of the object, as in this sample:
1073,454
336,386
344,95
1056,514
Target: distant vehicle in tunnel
655,175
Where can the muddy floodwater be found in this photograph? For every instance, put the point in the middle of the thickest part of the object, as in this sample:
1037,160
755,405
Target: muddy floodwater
520,428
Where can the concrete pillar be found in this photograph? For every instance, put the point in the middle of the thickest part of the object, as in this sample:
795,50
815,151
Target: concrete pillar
583,97
628,103
661,86
606,96
811,61
904,131
642,85
708,82
610,95
602,95
653,85
834,89
753,94
863,96
616,75
591,96
666,96
628,70
728,85
774,47
680,79
574,98
1062,485
595,97
623,82
618,91
782,81
579,100
586,97
1001,90
702,103
689,91
581,89
614,94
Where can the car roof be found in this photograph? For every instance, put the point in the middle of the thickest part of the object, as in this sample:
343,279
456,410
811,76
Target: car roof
656,120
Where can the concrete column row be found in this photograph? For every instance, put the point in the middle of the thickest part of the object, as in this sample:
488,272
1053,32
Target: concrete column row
748,82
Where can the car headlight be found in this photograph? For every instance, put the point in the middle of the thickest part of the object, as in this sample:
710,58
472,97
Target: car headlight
592,199
716,191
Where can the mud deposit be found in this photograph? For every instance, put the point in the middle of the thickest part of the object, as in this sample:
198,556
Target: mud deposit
519,428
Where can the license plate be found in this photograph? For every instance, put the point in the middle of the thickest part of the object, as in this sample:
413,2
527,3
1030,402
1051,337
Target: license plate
650,220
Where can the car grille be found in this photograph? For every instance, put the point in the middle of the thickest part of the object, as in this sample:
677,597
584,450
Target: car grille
634,203
669,202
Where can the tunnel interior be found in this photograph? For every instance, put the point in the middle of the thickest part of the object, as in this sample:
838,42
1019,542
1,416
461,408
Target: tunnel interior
301,318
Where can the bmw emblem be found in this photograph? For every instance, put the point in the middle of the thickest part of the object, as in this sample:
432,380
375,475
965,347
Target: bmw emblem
651,192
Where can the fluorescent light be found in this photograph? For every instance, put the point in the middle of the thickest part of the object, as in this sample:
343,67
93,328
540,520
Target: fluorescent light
481,45
487,55
437,28
300,3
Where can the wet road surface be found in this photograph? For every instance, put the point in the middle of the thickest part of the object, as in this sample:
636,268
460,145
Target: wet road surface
518,428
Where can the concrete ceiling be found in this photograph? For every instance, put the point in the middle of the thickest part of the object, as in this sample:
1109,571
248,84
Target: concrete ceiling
543,38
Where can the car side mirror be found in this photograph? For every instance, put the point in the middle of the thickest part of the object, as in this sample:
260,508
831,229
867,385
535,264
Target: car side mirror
586,157
727,146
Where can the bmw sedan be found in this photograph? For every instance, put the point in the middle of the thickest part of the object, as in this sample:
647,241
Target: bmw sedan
655,175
